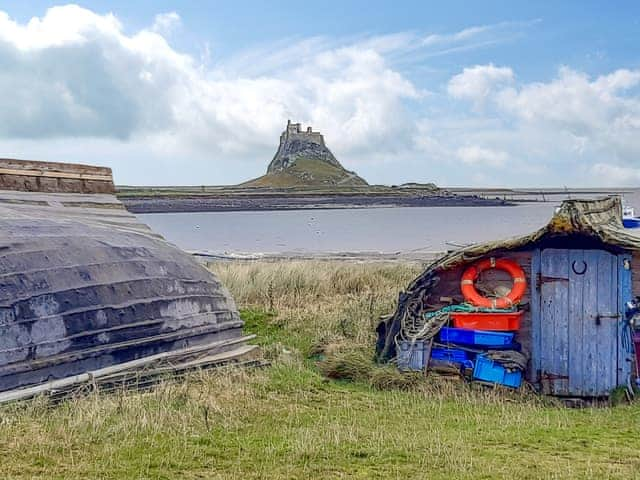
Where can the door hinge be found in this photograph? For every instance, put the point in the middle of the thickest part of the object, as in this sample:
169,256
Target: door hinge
553,376
601,316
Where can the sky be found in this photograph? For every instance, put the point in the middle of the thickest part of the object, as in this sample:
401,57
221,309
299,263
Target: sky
495,93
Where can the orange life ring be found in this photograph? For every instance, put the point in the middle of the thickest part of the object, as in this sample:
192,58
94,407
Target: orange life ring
472,273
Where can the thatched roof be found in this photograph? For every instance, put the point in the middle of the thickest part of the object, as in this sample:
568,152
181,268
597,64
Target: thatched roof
600,220
595,221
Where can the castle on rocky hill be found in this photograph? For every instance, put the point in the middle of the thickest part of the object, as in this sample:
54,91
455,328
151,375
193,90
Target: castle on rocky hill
303,160
294,130
295,143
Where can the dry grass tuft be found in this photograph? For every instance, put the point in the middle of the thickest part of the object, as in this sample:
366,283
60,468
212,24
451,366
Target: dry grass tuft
353,365
389,378
320,303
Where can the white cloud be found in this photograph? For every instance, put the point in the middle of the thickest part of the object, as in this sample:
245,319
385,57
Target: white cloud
479,82
74,73
466,34
474,37
585,129
61,26
616,175
83,88
166,23
482,157
575,102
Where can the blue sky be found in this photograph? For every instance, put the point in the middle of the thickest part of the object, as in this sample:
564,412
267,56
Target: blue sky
496,93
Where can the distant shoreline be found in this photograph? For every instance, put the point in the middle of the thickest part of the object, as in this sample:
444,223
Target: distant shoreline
238,203
239,199
408,256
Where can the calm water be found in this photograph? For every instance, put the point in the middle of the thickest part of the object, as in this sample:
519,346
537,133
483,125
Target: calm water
349,230
374,229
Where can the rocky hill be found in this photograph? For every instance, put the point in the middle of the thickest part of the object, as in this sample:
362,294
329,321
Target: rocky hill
302,160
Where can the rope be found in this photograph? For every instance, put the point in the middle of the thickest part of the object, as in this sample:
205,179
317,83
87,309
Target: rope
468,308
427,330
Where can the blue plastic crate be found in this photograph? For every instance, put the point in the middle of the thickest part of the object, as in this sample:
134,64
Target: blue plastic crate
434,363
475,337
509,346
412,356
489,371
449,354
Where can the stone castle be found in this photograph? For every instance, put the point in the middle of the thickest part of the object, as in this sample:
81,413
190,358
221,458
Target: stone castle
296,143
294,130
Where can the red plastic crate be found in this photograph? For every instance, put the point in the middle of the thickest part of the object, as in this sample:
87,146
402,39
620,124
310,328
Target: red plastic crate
500,322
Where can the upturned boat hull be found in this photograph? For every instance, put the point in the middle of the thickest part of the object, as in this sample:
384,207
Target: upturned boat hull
85,285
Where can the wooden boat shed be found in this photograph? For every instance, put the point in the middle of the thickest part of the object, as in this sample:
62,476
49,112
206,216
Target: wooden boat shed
581,270
87,290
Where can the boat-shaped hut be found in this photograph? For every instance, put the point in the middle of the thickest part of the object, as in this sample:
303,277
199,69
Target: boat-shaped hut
574,312
86,288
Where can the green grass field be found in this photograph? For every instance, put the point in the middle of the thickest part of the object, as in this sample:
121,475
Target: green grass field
288,421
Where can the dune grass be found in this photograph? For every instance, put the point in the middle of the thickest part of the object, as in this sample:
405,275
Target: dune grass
289,421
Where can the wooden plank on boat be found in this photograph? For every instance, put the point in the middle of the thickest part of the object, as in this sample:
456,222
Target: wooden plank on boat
55,174
29,392
32,176
76,168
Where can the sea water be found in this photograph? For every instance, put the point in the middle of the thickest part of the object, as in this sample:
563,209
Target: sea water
346,230
388,230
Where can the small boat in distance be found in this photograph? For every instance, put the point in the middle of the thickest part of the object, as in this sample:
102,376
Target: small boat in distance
629,219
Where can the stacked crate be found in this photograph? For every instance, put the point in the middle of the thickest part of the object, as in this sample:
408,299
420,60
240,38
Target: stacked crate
476,332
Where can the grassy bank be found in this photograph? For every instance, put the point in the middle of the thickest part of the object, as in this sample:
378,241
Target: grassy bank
288,421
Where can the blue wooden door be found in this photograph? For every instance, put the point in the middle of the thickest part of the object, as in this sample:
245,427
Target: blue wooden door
577,337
